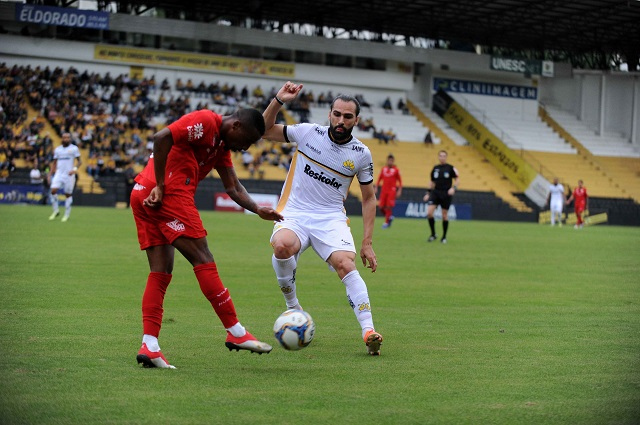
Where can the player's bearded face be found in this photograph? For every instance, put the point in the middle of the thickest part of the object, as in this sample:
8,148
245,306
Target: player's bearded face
342,119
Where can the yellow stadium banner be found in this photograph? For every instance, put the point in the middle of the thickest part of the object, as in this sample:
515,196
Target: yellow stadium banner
514,167
193,60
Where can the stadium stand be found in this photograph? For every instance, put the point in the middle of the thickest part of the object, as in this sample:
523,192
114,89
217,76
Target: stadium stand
519,130
600,145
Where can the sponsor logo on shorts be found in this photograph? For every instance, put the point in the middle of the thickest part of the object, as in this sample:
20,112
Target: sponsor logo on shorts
321,177
345,243
349,165
176,225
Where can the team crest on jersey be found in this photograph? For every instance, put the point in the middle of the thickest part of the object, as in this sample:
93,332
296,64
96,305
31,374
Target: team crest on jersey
349,165
195,132
446,174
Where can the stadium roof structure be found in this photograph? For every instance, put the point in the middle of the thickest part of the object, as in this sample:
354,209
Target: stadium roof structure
578,27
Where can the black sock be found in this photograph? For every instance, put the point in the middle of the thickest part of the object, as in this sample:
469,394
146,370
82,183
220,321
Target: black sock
445,227
432,224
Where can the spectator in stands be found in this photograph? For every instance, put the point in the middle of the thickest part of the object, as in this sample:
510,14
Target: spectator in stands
359,98
35,176
386,105
391,136
555,201
581,199
428,140
161,196
403,107
442,187
92,166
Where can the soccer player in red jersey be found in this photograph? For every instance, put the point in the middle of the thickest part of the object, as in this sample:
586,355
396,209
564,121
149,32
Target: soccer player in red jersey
581,199
167,219
391,188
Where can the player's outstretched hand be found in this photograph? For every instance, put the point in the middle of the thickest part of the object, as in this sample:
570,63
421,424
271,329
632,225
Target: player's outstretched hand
270,214
367,255
289,91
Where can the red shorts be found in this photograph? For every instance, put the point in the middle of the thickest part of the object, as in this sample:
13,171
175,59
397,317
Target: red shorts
387,198
579,207
178,216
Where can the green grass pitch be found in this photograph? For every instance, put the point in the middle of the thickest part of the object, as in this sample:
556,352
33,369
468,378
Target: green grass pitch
508,323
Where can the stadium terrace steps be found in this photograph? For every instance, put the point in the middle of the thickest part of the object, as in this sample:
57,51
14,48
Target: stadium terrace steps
474,168
607,145
571,168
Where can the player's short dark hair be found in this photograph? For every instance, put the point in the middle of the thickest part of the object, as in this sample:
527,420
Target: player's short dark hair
347,98
443,151
391,156
251,118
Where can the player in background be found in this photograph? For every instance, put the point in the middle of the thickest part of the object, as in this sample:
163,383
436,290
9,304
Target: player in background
390,189
555,201
312,202
581,199
64,169
442,187
166,217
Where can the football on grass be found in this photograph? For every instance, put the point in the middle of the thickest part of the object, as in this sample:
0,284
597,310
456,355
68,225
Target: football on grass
294,329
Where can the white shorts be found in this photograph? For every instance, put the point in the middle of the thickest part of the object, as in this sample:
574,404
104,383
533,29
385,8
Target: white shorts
63,181
324,235
556,207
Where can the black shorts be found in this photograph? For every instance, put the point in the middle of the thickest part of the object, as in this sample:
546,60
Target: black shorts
440,197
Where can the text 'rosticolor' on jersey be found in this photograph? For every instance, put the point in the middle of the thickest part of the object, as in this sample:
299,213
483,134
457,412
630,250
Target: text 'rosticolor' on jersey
323,169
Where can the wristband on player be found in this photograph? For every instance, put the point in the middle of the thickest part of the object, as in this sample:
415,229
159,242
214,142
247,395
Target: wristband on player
455,187
278,100
75,168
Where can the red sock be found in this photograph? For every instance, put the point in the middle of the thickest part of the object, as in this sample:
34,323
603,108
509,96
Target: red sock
152,301
213,289
387,214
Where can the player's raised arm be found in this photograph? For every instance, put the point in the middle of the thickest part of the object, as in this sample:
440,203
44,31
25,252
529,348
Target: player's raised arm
287,93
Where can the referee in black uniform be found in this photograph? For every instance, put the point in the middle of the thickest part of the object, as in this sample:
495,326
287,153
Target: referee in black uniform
444,182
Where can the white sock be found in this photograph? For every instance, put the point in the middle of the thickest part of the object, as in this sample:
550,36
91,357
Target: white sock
67,205
359,299
286,275
54,202
553,218
237,330
151,341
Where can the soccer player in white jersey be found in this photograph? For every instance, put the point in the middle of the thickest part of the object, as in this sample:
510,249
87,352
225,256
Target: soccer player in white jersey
64,170
555,201
312,203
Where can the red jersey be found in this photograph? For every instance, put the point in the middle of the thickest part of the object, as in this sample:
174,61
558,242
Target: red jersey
389,177
197,149
580,195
